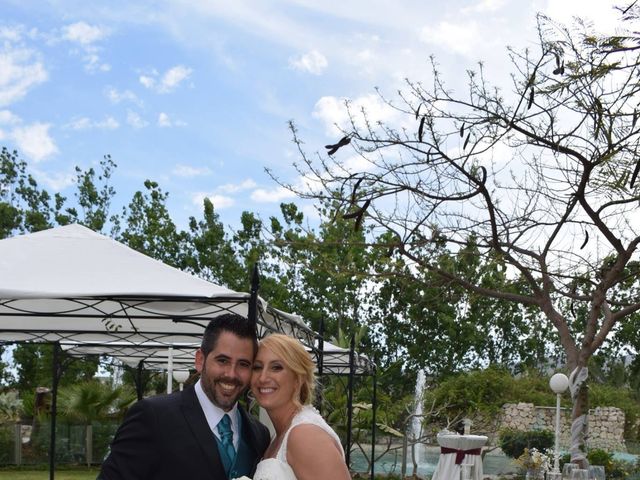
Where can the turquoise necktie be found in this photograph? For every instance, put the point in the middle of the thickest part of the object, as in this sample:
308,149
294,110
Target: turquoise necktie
226,438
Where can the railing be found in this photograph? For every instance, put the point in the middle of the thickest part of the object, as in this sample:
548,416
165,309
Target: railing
28,444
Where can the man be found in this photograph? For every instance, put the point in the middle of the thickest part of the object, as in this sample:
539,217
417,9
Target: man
201,432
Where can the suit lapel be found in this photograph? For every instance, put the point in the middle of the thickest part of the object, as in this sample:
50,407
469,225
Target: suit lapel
200,428
249,436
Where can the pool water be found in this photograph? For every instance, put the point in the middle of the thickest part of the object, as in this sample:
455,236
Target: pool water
391,462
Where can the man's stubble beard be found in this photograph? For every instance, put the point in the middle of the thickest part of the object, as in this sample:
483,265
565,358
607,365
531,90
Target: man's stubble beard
208,386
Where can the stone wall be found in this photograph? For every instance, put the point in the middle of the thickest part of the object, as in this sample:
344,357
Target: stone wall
606,424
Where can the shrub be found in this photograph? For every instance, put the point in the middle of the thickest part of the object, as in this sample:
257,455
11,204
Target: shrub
598,456
621,469
513,442
10,406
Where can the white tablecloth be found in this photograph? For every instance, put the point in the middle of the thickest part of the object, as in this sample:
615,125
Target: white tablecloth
457,450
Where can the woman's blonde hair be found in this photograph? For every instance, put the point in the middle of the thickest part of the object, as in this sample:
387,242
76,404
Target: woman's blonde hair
295,357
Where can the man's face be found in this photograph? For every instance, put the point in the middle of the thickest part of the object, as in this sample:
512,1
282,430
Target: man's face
225,373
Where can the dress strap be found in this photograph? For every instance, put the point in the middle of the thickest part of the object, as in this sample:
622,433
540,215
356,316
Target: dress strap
307,416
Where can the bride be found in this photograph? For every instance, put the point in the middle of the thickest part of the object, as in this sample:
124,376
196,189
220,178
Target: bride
305,447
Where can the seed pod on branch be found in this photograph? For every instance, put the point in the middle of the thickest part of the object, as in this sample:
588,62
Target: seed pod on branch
336,146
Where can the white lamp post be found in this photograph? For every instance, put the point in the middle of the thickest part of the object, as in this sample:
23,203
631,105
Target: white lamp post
181,376
170,371
559,384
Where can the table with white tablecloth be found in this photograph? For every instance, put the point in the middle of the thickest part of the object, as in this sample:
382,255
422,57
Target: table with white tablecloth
457,451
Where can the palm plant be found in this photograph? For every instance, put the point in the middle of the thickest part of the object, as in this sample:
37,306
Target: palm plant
94,401
10,407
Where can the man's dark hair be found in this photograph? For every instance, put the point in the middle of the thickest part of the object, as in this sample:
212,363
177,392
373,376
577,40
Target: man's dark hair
228,322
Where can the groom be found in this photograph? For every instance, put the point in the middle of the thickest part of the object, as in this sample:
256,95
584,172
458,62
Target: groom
201,432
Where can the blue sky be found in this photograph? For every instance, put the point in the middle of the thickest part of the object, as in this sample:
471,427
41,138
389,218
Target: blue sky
196,94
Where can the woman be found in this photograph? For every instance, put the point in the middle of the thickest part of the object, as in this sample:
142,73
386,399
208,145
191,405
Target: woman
304,447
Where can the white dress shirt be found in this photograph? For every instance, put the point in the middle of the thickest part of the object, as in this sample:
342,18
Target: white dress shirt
214,414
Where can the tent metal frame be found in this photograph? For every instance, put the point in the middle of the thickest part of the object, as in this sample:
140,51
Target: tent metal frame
135,307
112,294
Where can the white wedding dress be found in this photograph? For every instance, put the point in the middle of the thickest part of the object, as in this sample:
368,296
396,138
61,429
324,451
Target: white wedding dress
277,468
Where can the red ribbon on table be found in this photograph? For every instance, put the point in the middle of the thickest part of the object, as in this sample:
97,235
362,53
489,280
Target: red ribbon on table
460,454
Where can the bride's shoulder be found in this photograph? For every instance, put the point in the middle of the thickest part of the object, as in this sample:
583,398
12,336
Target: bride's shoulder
308,414
306,434
309,427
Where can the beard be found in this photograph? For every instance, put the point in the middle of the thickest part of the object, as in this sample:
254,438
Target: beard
218,394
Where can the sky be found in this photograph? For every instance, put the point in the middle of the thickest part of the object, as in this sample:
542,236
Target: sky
197,94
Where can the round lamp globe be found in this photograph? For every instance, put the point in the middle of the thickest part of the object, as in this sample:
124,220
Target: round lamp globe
559,383
181,376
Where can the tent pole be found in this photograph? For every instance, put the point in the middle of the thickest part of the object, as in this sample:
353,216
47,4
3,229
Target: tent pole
252,310
56,373
319,392
170,371
374,406
138,379
352,348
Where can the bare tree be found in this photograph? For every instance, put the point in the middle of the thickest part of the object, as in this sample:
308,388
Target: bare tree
543,178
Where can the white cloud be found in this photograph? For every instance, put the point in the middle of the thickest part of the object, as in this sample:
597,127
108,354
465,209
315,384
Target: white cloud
174,77
115,96
92,63
11,34
189,171
8,118
310,212
147,81
83,33
458,37
485,6
34,141
135,120
271,196
219,201
165,121
237,187
84,123
357,163
313,62
602,14
168,82
20,70
56,181
86,36
332,111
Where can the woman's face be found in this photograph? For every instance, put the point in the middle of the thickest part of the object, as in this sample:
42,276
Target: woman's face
273,383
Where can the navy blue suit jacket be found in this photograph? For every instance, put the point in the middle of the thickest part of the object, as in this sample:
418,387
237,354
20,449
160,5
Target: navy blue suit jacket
167,437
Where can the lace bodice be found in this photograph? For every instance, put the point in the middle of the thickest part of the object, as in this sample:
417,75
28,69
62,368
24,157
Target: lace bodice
277,468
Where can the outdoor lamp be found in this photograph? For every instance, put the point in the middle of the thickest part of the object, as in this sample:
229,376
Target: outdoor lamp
181,376
559,384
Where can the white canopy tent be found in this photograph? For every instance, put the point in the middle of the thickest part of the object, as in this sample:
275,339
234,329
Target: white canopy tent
70,283
74,287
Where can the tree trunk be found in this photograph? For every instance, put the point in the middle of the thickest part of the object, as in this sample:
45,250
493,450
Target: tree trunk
580,415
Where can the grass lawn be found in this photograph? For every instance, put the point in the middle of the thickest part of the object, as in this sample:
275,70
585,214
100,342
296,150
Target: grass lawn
44,474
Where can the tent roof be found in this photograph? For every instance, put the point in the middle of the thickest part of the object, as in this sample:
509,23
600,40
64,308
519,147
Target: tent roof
74,261
73,285
156,356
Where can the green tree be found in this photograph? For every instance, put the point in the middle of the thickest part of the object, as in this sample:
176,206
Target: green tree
33,363
93,197
214,257
91,401
146,226
542,179
24,207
